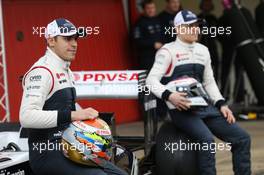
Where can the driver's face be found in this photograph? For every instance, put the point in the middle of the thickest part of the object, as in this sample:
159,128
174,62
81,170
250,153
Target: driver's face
174,5
189,32
150,10
64,46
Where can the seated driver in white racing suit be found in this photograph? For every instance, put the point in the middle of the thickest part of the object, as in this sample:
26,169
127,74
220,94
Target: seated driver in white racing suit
187,58
48,105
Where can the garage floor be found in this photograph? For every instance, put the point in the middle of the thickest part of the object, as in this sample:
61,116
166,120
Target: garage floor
223,158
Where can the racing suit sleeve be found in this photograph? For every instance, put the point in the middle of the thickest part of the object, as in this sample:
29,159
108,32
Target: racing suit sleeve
37,85
159,69
210,84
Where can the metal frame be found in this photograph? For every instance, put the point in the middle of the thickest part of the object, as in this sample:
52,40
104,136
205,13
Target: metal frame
4,101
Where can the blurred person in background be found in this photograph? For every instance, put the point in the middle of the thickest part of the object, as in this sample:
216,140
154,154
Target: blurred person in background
259,14
147,35
167,17
209,40
148,38
167,23
227,47
243,28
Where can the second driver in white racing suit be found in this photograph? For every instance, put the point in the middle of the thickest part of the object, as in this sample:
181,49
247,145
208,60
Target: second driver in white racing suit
187,58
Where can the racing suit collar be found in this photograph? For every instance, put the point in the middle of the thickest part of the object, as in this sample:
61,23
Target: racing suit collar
184,44
57,60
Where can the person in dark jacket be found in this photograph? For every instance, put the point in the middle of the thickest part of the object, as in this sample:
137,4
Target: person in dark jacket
243,27
209,40
167,17
147,35
259,14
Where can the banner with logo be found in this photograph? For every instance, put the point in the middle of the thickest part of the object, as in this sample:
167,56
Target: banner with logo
106,84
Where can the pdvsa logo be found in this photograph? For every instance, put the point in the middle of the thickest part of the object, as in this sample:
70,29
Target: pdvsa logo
110,77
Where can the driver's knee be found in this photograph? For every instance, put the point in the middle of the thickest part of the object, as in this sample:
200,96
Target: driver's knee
243,139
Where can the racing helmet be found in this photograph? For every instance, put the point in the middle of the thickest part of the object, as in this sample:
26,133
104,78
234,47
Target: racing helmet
194,90
88,142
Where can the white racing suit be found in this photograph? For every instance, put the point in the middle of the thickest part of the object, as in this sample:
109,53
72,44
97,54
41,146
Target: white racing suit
176,60
47,102
179,59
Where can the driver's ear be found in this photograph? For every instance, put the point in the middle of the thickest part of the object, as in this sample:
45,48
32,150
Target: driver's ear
51,42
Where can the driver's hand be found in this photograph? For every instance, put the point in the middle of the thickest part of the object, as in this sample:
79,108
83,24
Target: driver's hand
157,45
84,114
179,100
228,114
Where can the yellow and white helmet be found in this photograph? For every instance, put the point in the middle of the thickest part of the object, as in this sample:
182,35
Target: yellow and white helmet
88,142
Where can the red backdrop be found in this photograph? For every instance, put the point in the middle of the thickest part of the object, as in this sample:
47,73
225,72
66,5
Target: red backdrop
109,50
